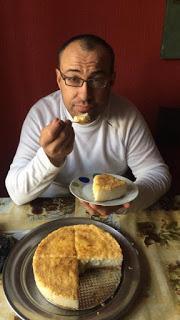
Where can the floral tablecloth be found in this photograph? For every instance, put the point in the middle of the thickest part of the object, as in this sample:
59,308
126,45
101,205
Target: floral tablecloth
156,232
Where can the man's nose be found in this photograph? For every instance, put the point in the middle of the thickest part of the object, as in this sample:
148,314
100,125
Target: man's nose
85,92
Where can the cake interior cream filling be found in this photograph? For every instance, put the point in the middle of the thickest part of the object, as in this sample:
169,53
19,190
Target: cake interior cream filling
57,272
82,118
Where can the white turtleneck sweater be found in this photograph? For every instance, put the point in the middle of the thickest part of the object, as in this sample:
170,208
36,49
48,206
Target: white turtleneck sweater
118,139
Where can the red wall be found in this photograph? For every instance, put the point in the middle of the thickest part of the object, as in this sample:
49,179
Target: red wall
31,32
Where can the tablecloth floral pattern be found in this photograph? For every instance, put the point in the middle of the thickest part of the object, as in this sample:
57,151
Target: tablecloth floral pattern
156,233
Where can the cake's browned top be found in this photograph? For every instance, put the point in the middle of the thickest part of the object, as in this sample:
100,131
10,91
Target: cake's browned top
92,242
77,241
59,243
107,182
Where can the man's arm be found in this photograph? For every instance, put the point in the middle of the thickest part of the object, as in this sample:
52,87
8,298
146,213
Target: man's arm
39,158
57,140
152,175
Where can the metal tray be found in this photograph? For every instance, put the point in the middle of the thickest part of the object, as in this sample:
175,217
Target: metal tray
24,298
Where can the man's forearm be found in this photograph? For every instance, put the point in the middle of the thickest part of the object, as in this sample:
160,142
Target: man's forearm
26,182
151,187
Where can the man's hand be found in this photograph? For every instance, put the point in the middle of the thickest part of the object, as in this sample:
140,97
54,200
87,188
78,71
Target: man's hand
102,211
57,140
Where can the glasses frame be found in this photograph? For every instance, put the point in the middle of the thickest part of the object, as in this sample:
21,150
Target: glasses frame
64,77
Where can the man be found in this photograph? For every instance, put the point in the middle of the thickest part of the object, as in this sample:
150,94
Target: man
53,150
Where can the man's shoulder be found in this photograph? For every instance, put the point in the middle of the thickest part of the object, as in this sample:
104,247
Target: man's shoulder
121,108
52,98
46,108
49,104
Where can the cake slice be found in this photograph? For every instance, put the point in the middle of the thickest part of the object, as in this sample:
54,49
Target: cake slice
96,248
58,280
107,187
82,118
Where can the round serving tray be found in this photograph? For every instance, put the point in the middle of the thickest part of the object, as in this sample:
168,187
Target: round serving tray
26,301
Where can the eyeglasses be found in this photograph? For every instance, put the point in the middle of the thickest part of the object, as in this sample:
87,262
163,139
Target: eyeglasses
95,83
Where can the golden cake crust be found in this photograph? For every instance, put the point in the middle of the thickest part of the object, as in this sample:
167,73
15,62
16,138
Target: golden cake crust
108,187
93,243
60,256
57,280
59,243
108,182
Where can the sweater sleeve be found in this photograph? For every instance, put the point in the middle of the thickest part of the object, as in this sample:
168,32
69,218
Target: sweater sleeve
31,171
152,175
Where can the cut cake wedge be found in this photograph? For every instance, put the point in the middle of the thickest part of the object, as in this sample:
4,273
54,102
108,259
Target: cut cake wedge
107,187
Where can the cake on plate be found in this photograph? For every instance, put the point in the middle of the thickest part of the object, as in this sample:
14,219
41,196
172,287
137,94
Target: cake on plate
108,187
65,253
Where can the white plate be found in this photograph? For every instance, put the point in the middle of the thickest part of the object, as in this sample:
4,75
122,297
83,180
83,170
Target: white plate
81,188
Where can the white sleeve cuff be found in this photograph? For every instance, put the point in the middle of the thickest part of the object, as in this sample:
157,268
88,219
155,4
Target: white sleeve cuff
43,158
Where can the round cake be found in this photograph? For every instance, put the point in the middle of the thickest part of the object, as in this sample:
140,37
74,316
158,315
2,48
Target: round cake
65,253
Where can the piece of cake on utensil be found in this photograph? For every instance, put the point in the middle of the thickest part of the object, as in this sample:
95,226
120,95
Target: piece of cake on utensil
82,118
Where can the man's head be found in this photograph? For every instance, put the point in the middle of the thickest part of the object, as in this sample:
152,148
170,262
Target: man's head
89,58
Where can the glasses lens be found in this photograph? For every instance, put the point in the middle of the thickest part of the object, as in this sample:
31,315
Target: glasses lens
98,83
74,81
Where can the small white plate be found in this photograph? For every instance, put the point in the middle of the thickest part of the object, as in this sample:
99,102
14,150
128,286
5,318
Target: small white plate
81,188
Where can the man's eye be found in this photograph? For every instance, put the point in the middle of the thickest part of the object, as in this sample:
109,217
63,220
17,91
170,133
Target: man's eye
74,79
98,80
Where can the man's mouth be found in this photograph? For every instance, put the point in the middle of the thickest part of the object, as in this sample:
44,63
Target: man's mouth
81,108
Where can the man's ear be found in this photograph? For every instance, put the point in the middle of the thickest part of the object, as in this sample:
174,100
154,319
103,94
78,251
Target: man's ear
58,78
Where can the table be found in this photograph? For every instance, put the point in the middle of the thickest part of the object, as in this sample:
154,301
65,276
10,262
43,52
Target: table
156,231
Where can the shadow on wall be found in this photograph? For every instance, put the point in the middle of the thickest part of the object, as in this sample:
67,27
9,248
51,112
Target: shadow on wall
168,141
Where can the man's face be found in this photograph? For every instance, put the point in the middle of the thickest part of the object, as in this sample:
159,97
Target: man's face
78,62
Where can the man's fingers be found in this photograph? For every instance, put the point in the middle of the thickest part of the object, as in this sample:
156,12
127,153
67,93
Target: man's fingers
56,133
64,142
126,205
102,211
88,208
50,132
55,127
